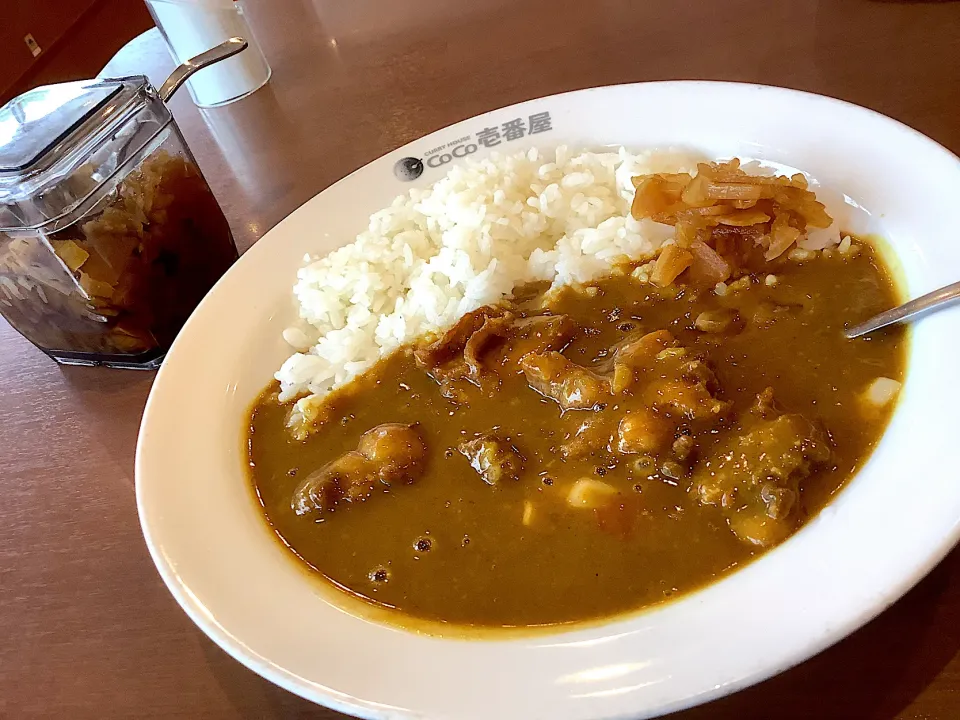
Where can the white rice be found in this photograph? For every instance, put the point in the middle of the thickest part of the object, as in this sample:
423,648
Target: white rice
466,241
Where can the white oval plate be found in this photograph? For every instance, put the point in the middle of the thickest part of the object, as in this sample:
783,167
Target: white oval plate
896,519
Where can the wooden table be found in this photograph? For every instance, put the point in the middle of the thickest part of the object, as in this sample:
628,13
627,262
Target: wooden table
87,629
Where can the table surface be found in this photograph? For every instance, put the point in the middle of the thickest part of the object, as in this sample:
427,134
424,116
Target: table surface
87,628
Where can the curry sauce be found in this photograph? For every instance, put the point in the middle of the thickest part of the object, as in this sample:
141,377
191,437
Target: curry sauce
585,453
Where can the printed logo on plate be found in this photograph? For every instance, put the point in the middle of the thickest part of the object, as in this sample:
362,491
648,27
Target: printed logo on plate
410,168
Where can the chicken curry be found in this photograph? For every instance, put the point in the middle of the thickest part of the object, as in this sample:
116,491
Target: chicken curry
572,455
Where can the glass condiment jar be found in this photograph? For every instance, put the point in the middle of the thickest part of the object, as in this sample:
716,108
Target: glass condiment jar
109,234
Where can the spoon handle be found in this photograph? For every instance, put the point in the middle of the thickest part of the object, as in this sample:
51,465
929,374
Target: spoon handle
228,48
943,296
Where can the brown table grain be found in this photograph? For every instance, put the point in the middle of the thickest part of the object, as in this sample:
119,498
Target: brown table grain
87,629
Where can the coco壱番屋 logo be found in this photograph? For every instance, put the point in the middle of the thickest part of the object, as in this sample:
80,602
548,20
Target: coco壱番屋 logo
410,168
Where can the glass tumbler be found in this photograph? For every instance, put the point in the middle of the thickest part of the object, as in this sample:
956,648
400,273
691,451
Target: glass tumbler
191,26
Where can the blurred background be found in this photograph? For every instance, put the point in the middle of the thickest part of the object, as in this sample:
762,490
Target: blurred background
49,41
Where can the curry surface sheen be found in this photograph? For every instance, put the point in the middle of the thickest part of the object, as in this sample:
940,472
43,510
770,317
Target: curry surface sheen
451,547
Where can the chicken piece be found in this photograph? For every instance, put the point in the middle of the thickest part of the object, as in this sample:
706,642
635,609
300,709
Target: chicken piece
350,477
644,350
457,380
539,334
492,330
675,381
637,354
592,436
643,431
755,476
499,340
452,343
385,455
517,337
493,457
457,359
684,387
394,449
572,386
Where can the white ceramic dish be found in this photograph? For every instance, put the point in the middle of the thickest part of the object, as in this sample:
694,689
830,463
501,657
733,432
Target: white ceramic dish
897,518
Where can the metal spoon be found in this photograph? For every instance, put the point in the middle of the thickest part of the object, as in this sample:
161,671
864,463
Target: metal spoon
228,48
937,299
